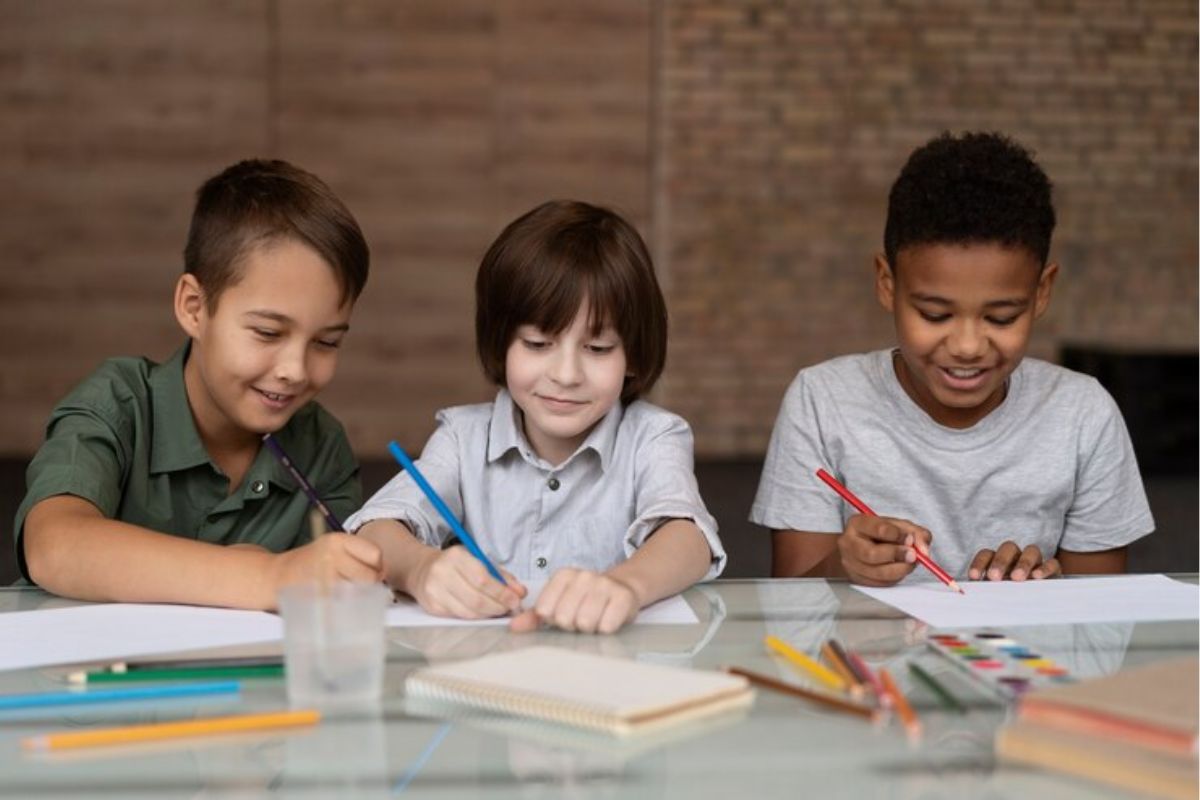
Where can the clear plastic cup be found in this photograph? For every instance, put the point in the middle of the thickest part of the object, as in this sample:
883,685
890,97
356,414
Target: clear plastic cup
334,644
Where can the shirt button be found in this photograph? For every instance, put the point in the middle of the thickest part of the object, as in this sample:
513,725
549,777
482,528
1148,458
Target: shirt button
541,562
553,484
257,487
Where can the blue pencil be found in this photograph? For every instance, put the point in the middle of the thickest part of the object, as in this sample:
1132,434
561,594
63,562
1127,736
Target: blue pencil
41,699
448,515
306,487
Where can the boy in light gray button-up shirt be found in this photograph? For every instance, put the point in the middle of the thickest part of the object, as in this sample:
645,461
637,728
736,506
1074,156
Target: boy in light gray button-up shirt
566,476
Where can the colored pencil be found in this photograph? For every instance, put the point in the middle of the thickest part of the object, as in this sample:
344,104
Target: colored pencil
940,691
41,699
808,665
912,725
306,487
467,539
196,663
922,558
171,730
842,669
881,694
178,674
827,700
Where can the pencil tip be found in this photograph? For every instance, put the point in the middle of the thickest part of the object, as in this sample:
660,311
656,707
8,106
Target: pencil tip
954,585
77,677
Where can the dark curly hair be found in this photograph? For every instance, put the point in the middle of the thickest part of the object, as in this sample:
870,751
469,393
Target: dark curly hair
973,188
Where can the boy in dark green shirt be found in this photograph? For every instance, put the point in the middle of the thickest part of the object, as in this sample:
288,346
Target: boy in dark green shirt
149,470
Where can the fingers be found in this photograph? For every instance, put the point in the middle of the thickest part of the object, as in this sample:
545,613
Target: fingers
979,564
1030,558
878,551
584,601
1010,561
457,584
525,622
1049,569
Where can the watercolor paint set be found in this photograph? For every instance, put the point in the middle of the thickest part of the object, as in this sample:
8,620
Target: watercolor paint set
1002,663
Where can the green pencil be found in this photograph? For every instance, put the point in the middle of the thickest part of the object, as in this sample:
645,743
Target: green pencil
950,701
186,674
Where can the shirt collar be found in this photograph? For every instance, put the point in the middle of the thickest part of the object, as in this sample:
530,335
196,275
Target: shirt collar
505,433
176,442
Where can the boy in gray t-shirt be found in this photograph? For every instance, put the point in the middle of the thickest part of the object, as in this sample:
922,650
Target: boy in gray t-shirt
1015,468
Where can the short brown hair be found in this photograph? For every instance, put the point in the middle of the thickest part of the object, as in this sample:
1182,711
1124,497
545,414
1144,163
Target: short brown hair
255,202
542,267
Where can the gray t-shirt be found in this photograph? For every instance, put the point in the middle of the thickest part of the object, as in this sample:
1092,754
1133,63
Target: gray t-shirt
1051,466
632,474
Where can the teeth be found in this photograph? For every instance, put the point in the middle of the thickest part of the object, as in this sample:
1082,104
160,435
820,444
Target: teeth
275,397
963,373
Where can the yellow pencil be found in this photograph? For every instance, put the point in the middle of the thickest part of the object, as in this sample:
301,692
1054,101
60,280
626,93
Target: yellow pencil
814,669
171,730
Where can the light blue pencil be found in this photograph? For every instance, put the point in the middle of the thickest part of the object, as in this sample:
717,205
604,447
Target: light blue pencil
443,509
42,699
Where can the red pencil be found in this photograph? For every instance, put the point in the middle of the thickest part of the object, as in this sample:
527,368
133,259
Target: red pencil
923,559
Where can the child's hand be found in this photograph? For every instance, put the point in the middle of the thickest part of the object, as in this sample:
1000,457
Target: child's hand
334,556
878,551
453,583
1010,561
581,600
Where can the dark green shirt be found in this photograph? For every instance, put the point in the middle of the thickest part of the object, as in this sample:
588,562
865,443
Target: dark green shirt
125,440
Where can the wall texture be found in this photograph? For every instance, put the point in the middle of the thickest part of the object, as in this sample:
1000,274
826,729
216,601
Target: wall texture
753,144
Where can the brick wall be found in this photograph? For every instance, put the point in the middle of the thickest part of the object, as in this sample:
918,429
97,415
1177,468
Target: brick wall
753,143
784,124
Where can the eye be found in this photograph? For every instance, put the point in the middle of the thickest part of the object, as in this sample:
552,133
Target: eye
533,343
929,317
329,344
1002,322
601,349
266,334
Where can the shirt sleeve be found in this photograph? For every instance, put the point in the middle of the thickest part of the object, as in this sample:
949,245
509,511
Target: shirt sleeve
789,495
83,456
402,500
1109,508
666,489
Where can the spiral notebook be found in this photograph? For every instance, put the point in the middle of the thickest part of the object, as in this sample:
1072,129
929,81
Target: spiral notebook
617,696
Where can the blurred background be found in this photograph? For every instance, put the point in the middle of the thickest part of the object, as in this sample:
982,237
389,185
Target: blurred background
752,143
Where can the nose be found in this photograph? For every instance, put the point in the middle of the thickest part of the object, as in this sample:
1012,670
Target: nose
565,368
291,367
967,341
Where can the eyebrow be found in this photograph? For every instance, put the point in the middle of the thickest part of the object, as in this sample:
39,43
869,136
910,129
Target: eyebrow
284,319
1014,302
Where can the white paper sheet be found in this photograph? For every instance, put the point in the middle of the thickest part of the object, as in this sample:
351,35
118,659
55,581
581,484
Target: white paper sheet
668,611
115,631
1123,598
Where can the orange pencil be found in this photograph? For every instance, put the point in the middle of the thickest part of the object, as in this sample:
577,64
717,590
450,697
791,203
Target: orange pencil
171,730
853,684
912,725
862,508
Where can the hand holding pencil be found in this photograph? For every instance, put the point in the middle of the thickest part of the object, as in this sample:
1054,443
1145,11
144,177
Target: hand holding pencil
880,551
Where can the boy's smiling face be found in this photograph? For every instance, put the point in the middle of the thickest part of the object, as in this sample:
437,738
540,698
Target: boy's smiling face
963,317
269,346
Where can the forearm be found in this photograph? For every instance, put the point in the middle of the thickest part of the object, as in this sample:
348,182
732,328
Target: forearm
94,558
671,560
402,551
1101,562
800,554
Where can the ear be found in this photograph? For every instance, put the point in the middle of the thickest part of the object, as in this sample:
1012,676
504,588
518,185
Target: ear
190,308
885,283
1044,289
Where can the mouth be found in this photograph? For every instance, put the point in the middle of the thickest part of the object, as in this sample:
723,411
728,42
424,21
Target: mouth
561,403
274,400
964,378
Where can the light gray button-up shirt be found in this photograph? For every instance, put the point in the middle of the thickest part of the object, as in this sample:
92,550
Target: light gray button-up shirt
632,474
